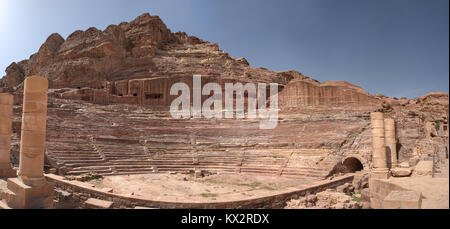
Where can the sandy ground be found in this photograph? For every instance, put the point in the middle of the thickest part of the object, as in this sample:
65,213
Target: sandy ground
435,191
186,188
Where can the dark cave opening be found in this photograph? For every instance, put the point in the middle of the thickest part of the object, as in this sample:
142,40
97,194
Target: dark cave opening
352,165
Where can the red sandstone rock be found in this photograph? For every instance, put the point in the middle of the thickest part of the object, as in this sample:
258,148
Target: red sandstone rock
105,115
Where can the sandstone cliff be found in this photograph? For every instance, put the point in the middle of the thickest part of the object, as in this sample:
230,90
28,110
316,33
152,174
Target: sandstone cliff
100,80
146,49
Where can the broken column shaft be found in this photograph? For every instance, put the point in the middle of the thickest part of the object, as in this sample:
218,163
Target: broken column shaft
380,168
390,141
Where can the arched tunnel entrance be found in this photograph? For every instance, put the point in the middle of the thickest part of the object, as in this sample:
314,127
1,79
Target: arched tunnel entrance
352,164
349,164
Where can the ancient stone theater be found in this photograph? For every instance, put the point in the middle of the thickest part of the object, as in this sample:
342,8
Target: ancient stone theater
86,123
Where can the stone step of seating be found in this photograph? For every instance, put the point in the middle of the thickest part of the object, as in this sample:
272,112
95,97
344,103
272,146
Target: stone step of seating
90,170
92,167
219,158
181,171
293,175
131,161
245,162
189,163
141,157
129,153
223,156
71,164
259,168
122,149
305,168
84,157
72,151
69,154
153,164
57,154
69,147
187,158
117,150
238,163
160,167
127,173
311,173
79,160
305,173
256,158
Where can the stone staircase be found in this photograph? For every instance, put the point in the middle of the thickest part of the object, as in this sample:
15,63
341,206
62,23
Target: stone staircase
119,158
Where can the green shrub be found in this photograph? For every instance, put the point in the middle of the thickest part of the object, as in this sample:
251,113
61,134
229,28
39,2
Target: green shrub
208,195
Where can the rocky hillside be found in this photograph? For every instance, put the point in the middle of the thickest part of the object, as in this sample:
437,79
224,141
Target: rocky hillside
104,85
145,48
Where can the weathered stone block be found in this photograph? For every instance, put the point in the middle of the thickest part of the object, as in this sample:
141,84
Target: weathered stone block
365,195
93,203
424,168
403,200
29,197
379,189
7,172
401,172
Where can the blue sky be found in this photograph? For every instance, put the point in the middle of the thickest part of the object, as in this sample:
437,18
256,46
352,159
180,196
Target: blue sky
393,47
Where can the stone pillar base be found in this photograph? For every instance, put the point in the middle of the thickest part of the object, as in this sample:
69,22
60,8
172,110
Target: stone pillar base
21,196
8,173
379,174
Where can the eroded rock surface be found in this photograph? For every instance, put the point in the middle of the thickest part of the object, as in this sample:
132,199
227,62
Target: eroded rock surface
108,113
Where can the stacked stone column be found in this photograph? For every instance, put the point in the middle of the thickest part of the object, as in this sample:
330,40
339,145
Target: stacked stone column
6,112
30,187
34,120
391,142
380,167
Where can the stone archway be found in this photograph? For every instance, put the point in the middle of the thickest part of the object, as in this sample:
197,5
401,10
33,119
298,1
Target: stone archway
352,164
